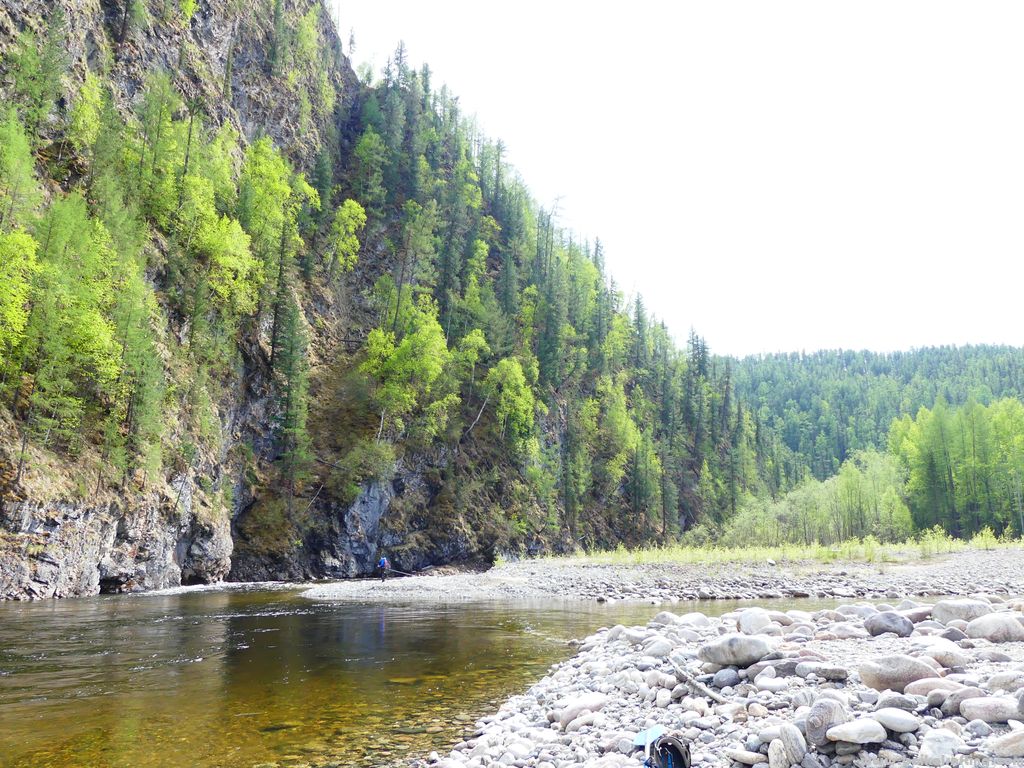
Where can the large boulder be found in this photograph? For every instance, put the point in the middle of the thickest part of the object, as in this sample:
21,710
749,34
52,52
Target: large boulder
889,621
824,714
961,608
894,672
991,709
735,650
996,628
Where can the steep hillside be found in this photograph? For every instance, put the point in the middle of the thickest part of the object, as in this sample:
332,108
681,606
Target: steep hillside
261,320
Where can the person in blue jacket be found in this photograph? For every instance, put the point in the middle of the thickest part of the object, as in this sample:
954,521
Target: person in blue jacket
384,565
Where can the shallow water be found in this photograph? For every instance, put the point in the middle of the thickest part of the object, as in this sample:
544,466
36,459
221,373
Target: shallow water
243,678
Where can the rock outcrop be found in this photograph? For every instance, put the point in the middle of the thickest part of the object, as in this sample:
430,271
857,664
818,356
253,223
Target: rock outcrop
67,550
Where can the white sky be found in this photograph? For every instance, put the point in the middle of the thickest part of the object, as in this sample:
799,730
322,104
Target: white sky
778,175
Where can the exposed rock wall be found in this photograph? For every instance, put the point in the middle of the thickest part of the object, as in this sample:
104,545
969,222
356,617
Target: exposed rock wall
66,550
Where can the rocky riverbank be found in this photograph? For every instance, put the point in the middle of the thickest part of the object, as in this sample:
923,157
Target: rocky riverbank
998,572
909,683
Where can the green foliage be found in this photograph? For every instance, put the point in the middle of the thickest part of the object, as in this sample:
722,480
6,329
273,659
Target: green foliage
293,371
157,149
17,268
984,539
86,114
19,190
366,461
70,343
265,183
349,221
863,500
188,10
405,371
828,405
964,466
513,405
306,44
279,39
368,173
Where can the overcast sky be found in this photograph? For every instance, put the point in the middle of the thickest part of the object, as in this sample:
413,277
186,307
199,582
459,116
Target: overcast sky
779,176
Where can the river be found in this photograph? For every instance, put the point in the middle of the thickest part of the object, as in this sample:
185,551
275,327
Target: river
236,678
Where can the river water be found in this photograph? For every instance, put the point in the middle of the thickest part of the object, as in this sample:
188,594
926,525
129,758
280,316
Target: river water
261,676
264,677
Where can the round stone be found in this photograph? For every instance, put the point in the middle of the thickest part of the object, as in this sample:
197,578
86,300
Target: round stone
897,720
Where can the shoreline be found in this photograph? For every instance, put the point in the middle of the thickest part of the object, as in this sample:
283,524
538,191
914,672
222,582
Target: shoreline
909,683
997,572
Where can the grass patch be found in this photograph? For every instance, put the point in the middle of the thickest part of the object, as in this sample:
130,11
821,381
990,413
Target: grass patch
926,544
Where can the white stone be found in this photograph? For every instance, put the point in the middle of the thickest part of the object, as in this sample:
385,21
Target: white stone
571,708
772,684
997,628
658,647
897,720
746,757
847,630
777,757
754,620
964,608
1008,745
926,685
938,747
991,709
862,731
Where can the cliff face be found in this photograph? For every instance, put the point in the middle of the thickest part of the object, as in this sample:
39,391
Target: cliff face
57,539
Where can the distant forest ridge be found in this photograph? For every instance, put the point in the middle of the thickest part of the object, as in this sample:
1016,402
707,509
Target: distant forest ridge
827,405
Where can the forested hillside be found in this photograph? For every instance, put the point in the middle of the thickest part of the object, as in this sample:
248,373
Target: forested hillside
828,405
242,290
261,317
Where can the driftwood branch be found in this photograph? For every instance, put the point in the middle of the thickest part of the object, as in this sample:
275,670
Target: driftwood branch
687,679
